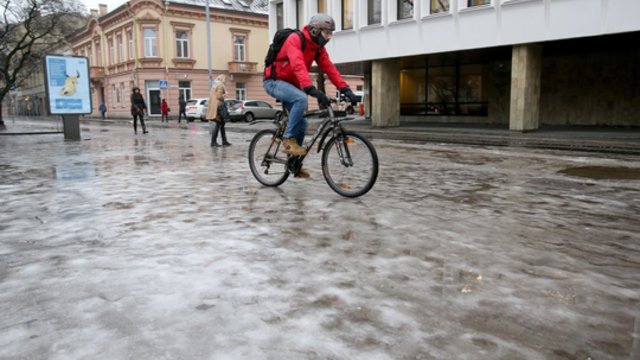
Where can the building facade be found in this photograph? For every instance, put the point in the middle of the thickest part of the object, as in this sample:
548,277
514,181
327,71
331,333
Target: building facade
161,47
516,63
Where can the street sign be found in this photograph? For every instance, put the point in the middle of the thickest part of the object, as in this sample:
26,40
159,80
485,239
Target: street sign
164,84
14,87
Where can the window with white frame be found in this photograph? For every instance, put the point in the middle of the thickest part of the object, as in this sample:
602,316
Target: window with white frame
239,47
300,20
279,16
120,48
405,9
184,90
182,44
439,6
98,55
112,50
241,91
374,12
347,14
130,42
114,94
150,43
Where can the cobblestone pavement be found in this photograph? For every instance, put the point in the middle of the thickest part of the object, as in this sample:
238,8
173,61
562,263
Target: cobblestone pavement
123,246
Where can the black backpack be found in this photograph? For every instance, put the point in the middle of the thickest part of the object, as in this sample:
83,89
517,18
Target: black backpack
278,40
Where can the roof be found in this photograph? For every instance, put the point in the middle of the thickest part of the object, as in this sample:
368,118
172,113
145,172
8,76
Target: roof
252,6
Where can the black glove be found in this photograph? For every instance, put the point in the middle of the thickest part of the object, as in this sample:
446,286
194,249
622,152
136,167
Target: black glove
322,98
348,93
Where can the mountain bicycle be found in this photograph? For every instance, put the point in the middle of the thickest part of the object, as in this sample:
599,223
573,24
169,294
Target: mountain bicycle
349,161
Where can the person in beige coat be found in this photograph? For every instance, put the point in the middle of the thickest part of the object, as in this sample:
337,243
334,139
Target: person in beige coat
217,110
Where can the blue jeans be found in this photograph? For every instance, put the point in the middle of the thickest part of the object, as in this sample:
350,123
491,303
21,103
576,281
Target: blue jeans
295,101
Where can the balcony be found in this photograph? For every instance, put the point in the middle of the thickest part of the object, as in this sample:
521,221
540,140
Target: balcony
242,67
96,73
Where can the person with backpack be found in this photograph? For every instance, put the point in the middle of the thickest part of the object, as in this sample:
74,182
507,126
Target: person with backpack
286,76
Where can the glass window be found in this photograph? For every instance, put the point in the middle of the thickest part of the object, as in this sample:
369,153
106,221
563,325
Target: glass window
300,20
182,44
150,41
98,55
120,48
241,91
130,41
279,16
322,6
347,14
112,50
438,6
184,90
478,2
405,9
374,12
239,48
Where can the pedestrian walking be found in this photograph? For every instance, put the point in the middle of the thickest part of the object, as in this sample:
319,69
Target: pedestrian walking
103,110
217,110
182,109
138,108
164,108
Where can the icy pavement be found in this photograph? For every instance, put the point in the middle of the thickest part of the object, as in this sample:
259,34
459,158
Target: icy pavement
157,246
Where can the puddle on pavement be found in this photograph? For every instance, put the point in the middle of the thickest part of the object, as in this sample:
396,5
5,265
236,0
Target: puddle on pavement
603,172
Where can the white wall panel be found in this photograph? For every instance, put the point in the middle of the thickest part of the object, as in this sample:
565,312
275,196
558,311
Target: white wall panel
574,18
478,28
522,22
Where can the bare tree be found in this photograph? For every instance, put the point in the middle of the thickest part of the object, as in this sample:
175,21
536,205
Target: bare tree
28,30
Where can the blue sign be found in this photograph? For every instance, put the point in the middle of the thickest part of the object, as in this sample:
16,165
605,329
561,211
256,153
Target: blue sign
164,84
14,87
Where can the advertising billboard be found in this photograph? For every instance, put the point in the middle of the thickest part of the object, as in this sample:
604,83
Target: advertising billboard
67,84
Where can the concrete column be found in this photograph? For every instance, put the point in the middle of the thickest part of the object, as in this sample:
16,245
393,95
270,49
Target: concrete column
526,69
385,93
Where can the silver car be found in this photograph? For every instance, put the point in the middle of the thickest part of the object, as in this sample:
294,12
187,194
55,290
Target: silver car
248,110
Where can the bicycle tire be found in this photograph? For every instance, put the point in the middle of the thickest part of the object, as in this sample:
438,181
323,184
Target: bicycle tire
357,179
268,164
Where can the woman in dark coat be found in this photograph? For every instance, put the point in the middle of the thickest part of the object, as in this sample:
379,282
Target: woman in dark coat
138,107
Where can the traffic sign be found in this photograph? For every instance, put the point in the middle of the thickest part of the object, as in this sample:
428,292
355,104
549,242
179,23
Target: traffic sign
164,84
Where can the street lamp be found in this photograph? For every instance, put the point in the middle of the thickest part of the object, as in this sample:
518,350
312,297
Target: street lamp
208,41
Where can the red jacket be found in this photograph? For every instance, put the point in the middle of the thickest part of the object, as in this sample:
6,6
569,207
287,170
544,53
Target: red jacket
164,108
295,67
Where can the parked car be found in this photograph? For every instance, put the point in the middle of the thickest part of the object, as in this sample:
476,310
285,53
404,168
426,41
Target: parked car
248,110
197,108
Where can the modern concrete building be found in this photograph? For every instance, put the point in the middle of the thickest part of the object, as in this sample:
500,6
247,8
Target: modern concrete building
517,63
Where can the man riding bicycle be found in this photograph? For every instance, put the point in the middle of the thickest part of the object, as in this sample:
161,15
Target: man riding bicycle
289,80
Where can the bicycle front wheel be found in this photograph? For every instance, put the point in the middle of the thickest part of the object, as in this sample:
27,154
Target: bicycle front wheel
350,164
268,164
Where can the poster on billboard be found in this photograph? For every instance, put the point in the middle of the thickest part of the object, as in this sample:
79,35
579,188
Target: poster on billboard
67,84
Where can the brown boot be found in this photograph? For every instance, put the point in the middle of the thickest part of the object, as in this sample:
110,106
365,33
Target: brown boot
291,147
302,173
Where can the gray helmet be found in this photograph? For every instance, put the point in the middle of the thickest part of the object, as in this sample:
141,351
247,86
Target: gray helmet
322,22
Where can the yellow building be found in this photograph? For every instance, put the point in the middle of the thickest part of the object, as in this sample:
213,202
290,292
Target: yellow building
161,47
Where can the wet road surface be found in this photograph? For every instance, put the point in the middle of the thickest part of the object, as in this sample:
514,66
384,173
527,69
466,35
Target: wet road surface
156,246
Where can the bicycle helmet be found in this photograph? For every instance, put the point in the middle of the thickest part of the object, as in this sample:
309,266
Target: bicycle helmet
317,23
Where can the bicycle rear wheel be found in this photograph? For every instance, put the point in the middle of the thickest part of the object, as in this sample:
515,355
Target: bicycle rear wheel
350,164
268,164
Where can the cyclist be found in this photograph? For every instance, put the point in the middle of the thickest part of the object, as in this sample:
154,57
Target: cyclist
291,82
